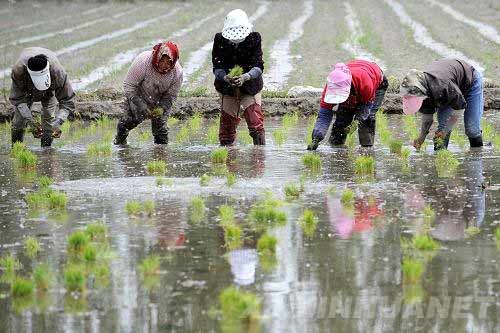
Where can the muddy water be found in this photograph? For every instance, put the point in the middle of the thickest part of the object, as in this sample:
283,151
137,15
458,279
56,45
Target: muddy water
344,276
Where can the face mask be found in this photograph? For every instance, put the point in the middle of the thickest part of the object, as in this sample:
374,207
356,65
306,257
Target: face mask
237,41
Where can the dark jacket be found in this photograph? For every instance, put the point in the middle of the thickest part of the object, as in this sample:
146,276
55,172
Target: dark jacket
247,54
448,82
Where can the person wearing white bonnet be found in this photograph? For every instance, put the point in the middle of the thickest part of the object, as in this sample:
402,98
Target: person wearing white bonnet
239,45
38,76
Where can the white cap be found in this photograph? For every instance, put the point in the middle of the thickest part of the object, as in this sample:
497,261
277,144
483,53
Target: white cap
41,79
237,26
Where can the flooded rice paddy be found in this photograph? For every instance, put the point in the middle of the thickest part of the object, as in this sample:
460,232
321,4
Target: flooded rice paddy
359,260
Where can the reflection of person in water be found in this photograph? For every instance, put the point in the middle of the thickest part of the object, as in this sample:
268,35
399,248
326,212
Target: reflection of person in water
452,223
348,220
257,162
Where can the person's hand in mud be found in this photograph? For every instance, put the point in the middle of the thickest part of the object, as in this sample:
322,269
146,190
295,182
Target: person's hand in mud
417,143
229,80
240,80
314,144
56,130
36,130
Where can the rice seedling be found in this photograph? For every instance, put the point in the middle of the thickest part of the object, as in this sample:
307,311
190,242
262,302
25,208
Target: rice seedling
308,222
194,123
425,243
410,127
236,71
21,287
90,253
99,149
219,155
101,273
350,141
226,215
136,208
9,264
412,270
446,163
279,136
183,134
144,136
496,141
26,159
347,198
429,213
205,180
197,209
311,121
44,181
364,165
413,293
405,153
78,241
472,231
497,237
172,121
160,181
148,207
292,191
17,148
312,161
232,235
74,278
96,231
266,245
459,139
42,277
31,247
244,138
239,306
265,213
57,200
150,266
290,120
488,130
157,112
156,168
212,134
395,146
231,179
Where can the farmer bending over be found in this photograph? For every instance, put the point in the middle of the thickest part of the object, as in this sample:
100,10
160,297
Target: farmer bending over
448,87
237,45
358,88
39,77
152,84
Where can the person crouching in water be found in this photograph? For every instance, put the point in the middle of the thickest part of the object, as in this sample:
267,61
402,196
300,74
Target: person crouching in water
358,88
151,87
38,76
237,45
447,87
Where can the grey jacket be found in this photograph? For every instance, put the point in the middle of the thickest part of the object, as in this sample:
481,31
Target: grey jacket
23,93
448,82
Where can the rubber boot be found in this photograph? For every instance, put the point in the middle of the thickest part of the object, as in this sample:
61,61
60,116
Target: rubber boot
259,138
476,142
121,134
17,135
160,131
366,137
442,144
46,140
337,137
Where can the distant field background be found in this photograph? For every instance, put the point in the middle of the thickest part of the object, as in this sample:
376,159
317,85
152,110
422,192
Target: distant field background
96,42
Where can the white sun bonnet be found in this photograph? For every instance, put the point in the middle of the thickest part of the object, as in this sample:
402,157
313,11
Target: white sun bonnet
237,26
41,79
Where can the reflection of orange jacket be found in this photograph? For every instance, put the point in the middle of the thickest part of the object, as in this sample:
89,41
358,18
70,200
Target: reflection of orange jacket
365,211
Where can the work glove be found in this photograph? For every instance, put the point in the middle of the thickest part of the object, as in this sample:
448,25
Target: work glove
239,80
314,144
417,143
56,128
